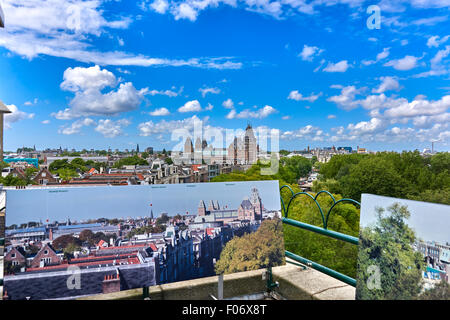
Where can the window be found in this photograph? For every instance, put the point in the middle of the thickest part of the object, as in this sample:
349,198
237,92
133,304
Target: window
13,255
46,252
46,260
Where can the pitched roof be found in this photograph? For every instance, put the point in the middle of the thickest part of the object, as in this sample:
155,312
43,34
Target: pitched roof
4,108
246,204
101,243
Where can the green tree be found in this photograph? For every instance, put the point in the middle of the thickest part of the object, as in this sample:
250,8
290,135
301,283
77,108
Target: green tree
69,250
3,165
299,166
163,219
66,174
372,175
388,246
441,291
30,172
9,180
87,236
130,161
260,249
64,241
10,268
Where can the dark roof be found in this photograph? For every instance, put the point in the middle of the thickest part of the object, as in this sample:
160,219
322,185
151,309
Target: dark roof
246,204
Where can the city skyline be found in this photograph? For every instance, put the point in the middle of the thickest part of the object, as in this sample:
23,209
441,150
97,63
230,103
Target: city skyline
108,202
102,74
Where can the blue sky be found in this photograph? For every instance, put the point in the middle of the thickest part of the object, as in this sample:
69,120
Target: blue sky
111,73
58,204
429,220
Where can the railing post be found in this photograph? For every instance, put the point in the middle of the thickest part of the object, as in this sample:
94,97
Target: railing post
220,287
270,285
146,293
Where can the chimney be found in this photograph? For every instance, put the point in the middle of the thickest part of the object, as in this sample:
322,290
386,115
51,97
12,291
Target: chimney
111,283
50,234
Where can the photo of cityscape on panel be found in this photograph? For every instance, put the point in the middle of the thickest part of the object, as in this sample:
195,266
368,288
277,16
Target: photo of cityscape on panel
404,249
73,242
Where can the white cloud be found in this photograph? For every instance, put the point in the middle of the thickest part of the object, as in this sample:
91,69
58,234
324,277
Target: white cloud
229,104
431,21
382,55
111,129
163,127
15,116
331,116
209,107
76,126
341,66
205,91
87,79
160,112
403,64
419,107
66,28
169,93
387,83
160,6
437,67
258,114
87,85
45,122
367,127
286,117
295,95
309,52
346,99
30,103
308,132
190,106
435,42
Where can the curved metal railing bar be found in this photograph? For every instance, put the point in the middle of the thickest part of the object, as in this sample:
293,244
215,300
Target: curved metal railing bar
319,230
313,198
336,203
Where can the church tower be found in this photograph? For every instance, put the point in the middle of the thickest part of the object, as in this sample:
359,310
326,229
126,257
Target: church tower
250,149
211,206
257,203
201,211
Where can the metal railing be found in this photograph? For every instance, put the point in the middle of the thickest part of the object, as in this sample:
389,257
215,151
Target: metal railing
320,230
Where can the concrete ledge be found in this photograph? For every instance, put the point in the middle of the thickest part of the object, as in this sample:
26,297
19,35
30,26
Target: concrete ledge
236,284
295,284
299,284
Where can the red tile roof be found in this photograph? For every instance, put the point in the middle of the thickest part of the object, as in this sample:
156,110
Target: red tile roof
101,243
